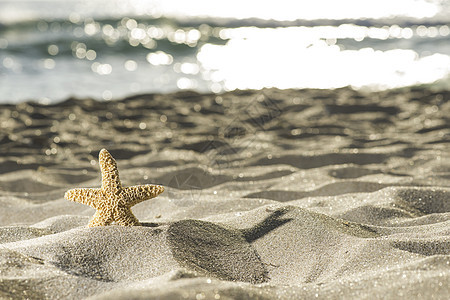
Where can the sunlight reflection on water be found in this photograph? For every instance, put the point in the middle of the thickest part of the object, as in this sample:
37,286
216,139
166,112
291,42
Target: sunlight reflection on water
309,57
293,10
110,48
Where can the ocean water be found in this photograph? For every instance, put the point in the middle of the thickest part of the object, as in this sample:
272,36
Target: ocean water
51,50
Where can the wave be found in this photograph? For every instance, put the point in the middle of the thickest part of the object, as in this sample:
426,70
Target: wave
185,21
165,54
103,33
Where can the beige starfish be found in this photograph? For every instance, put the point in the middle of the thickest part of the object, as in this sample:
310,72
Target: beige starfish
112,201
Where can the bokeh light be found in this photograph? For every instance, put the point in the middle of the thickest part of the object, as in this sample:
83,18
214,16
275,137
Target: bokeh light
252,58
164,46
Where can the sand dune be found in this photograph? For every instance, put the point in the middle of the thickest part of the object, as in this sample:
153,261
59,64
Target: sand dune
273,194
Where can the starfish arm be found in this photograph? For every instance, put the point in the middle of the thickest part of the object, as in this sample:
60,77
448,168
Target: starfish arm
123,216
139,193
85,196
100,219
110,173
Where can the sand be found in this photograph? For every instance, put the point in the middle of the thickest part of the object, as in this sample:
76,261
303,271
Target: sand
271,194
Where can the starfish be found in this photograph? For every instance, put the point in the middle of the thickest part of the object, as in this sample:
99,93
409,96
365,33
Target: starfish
112,201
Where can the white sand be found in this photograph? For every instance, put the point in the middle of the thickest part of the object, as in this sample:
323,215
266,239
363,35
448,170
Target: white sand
269,195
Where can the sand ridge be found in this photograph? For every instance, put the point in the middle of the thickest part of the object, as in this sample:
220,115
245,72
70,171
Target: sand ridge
271,194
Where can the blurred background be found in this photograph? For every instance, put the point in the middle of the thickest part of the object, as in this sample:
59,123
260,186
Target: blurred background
54,49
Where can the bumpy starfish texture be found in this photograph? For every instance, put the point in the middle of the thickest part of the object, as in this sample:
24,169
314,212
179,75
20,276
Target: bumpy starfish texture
112,201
